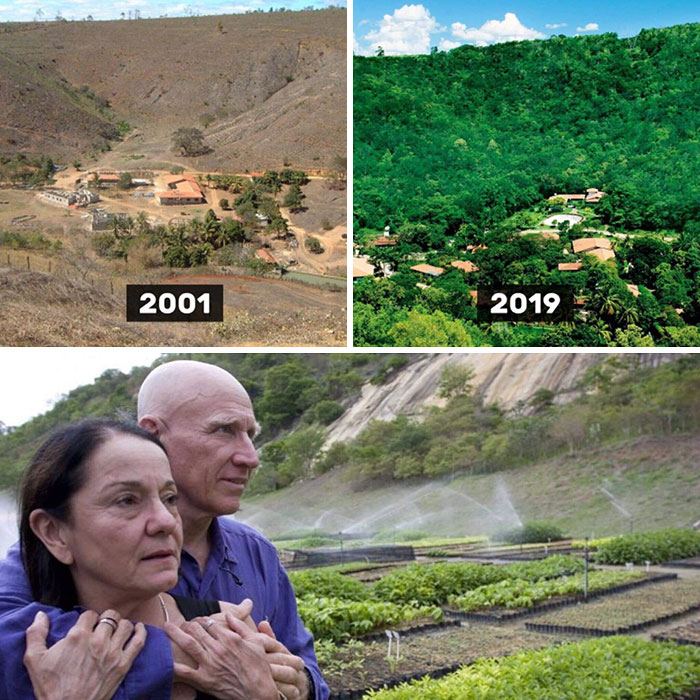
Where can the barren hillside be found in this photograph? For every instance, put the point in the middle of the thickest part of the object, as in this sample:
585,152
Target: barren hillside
269,86
39,113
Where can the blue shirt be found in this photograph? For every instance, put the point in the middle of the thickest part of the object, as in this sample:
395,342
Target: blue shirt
242,564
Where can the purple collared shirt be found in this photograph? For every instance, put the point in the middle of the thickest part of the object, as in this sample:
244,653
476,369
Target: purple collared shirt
242,564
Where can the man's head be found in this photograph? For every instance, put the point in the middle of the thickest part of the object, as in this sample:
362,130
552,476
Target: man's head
205,420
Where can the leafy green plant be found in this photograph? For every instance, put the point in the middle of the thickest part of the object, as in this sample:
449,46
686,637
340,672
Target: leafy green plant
518,593
530,532
337,619
322,582
437,583
615,667
655,547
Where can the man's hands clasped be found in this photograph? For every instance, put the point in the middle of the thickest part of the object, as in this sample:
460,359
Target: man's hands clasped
233,660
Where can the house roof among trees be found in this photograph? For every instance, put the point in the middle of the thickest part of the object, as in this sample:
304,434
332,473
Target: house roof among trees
431,270
266,255
601,253
465,265
583,245
361,268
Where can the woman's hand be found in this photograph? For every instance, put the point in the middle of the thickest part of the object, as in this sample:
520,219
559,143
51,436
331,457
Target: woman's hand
89,663
231,663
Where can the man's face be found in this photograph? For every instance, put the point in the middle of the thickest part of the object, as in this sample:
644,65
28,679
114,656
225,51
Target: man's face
210,445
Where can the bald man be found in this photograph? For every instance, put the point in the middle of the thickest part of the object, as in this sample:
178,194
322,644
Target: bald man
205,420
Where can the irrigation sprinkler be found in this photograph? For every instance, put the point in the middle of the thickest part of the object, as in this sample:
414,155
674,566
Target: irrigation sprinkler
392,635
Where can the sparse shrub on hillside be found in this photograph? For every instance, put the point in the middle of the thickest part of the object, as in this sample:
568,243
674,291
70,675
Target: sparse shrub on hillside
335,456
189,141
390,367
123,128
207,120
177,170
325,412
28,241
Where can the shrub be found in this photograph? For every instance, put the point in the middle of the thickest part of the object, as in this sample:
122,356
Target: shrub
314,245
325,412
336,619
616,667
321,582
529,533
655,547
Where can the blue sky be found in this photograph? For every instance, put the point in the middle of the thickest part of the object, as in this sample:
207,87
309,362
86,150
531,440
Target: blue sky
26,10
414,27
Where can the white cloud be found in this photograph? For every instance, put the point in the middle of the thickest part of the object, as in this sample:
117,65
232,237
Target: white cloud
590,27
407,31
356,48
446,44
555,26
493,31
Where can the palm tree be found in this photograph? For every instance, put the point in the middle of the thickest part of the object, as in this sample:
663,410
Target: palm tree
605,302
602,329
627,314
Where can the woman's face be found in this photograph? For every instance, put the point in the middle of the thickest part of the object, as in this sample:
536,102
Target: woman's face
124,534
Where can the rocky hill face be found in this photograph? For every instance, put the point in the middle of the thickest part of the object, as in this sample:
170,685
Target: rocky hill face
264,87
503,378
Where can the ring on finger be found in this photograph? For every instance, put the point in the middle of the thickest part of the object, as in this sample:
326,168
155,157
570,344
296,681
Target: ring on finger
109,621
209,623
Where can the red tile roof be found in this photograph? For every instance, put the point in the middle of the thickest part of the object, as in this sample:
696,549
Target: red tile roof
583,245
266,255
601,254
465,265
428,269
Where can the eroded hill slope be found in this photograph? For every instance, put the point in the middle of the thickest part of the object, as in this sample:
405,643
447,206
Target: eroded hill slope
280,73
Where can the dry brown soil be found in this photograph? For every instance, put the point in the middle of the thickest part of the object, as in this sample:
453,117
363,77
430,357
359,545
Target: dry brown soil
275,84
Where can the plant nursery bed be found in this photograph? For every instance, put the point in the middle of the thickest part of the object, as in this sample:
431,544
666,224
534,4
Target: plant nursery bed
688,633
623,613
691,563
502,614
411,628
353,669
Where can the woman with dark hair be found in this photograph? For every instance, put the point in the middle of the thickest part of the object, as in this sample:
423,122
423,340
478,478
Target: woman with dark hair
99,529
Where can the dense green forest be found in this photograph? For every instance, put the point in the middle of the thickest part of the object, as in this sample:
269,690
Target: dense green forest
466,148
288,390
